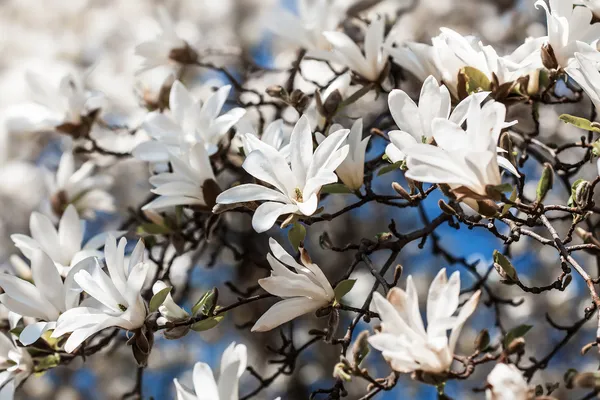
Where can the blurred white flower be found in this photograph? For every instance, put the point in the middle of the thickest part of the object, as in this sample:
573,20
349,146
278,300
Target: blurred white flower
69,106
167,48
585,72
15,366
403,340
191,122
84,189
191,182
296,187
593,5
233,365
346,52
45,299
306,290
506,382
115,299
62,245
352,170
569,30
416,122
450,52
306,29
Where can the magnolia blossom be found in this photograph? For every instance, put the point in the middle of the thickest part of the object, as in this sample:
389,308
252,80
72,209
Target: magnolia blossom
15,366
506,382
187,183
303,291
586,74
346,52
190,122
233,365
416,122
62,245
352,170
403,339
87,191
569,30
450,52
593,5
45,299
67,105
167,48
115,298
275,135
306,29
464,159
296,187
169,310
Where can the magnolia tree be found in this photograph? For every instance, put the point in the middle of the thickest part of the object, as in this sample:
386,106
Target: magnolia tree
329,195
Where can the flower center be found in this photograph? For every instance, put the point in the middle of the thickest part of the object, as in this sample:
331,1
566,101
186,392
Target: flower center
122,307
298,193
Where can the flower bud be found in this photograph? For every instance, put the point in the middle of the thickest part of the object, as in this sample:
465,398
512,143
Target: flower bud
401,191
184,55
277,91
516,346
482,340
589,380
580,192
545,183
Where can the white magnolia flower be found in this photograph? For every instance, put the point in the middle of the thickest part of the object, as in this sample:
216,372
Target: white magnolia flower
87,191
186,184
15,366
67,105
275,135
169,310
62,245
167,49
306,29
45,299
403,339
115,299
464,159
416,122
233,365
352,170
296,187
593,5
303,291
346,52
450,52
191,122
506,382
569,29
585,73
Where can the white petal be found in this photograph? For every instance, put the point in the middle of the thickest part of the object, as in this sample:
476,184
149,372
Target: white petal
284,311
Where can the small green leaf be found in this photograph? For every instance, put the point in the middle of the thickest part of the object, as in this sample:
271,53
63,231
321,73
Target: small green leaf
515,333
475,80
204,304
503,188
207,324
336,188
512,198
389,168
343,288
505,267
296,235
152,229
48,362
581,123
545,183
159,298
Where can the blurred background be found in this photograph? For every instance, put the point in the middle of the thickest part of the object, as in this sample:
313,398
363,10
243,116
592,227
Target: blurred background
94,39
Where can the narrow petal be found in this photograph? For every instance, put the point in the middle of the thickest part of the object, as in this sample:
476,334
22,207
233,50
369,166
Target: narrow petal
284,311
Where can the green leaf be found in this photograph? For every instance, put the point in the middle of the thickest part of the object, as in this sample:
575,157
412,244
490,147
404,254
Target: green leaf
389,168
207,324
48,362
343,288
476,81
152,229
503,188
505,267
336,188
159,298
545,183
581,123
513,197
204,304
515,333
296,235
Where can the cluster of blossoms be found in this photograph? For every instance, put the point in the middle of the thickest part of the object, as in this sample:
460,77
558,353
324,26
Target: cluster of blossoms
214,157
